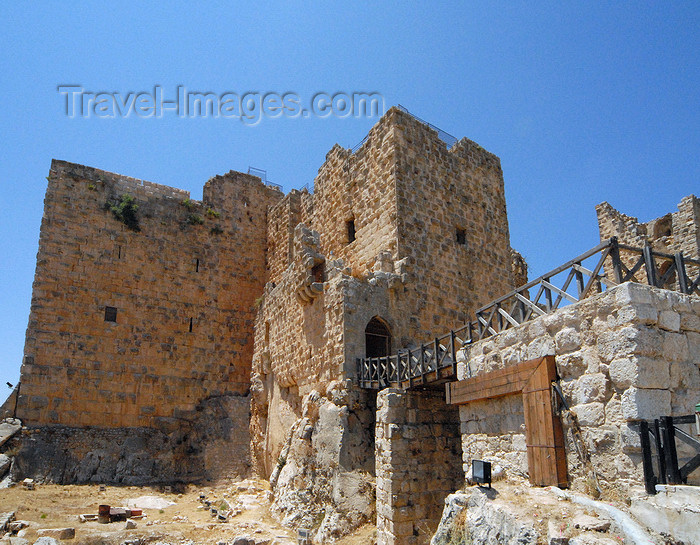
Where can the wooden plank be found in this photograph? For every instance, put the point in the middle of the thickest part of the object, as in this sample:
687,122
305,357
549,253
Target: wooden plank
595,272
487,393
467,387
508,317
546,439
532,306
602,278
532,463
494,384
561,292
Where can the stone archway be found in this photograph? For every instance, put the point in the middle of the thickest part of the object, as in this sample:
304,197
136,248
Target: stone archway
377,338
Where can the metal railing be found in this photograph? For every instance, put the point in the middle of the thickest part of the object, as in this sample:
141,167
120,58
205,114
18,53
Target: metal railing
607,265
658,441
262,174
446,137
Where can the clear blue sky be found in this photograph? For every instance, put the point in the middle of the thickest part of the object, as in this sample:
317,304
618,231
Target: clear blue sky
583,102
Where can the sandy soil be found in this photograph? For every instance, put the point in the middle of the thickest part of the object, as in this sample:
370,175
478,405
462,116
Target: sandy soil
58,506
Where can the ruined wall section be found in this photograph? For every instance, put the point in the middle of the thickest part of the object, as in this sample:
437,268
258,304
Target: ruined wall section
283,217
190,265
675,232
452,224
359,188
630,353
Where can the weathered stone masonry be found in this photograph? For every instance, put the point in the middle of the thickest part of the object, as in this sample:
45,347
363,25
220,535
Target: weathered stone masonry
630,353
403,235
183,286
223,334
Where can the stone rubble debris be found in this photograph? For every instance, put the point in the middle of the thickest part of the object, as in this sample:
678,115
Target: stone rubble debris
57,533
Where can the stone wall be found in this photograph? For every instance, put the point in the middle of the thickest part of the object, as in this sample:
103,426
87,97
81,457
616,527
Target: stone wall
402,229
418,463
630,353
182,283
452,226
408,198
675,232
213,445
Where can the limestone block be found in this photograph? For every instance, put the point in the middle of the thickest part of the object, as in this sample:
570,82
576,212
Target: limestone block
589,388
540,347
571,365
46,540
684,375
669,320
602,439
675,346
587,522
559,320
640,340
630,292
694,346
635,313
645,404
690,322
629,439
567,340
590,414
684,401
613,410
639,371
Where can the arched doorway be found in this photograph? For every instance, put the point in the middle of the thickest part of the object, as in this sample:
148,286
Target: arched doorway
377,338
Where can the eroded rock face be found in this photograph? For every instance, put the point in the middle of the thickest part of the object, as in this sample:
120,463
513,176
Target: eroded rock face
213,445
472,518
317,484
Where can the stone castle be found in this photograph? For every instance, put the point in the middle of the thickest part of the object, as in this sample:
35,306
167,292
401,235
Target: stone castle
171,339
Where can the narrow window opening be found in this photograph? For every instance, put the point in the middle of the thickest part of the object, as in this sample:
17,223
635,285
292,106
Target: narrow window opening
350,224
196,266
318,272
191,325
267,332
119,252
461,236
110,314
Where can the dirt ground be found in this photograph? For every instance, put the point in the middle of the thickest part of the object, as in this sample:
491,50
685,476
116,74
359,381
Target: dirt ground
188,521
59,506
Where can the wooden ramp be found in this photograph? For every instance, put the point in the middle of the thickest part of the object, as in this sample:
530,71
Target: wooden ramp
544,434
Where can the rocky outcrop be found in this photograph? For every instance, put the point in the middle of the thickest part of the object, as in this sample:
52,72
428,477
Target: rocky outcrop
318,483
472,518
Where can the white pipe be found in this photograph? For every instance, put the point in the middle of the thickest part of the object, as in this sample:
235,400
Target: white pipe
629,527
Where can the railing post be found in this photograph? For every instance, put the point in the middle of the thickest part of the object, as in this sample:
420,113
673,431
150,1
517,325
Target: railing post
422,363
454,353
580,284
616,262
410,371
649,479
437,358
672,474
680,272
650,265
660,452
